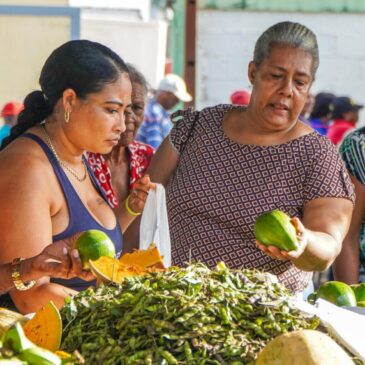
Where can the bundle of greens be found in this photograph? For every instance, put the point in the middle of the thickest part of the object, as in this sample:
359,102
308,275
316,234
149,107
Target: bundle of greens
190,315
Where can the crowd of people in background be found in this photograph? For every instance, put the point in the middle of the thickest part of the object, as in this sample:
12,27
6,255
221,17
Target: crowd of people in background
99,141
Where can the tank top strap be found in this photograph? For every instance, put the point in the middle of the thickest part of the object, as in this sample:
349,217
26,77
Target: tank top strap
67,187
51,157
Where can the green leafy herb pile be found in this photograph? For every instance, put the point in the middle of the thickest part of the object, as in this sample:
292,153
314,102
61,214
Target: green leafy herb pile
190,315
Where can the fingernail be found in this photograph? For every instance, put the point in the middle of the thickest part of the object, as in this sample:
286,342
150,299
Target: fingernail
64,250
75,254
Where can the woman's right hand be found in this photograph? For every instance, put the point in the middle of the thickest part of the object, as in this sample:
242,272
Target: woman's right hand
276,253
138,195
60,260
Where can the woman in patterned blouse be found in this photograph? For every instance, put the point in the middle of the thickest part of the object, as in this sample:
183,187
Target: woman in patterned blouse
350,264
225,165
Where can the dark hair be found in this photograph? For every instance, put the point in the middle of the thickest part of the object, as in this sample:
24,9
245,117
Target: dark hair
289,34
81,65
137,77
323,105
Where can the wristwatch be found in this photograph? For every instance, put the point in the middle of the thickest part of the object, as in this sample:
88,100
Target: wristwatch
15,275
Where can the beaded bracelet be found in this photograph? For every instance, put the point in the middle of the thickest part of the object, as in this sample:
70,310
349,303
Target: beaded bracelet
128,208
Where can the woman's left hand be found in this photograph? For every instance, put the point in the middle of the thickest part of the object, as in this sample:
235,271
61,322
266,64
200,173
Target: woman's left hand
60,260
275,253
139,193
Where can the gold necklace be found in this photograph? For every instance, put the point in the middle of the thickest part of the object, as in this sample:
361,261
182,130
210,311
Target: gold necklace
64,165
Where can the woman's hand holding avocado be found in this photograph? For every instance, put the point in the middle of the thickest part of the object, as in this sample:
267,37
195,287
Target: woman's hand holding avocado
302,238
60,260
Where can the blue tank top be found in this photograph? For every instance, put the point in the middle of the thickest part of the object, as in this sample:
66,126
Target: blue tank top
79,217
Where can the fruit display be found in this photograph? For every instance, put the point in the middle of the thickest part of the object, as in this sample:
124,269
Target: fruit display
92,245
147,314
276,229
190,315
304,347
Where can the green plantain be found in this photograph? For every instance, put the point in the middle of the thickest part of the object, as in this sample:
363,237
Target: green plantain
14,339
39,356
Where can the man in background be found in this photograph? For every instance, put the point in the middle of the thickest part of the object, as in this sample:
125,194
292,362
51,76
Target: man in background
345,116
10,114
157,124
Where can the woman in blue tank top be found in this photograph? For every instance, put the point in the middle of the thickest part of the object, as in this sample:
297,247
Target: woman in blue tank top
48,192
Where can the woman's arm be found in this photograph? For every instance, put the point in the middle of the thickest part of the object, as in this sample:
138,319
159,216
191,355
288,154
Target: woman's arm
163,163
131,236
325,224
57,260
129,209
347,265
28,206
162,166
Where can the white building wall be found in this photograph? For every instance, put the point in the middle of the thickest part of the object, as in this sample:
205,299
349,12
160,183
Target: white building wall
226,41
140,43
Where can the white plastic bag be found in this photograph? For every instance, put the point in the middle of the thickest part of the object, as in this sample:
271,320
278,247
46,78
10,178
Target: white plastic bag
154,226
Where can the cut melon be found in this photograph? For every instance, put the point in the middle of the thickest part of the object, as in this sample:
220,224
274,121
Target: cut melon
45,328
144,258
107,269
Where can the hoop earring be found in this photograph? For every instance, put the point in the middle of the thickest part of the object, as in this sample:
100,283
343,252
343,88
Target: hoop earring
67,116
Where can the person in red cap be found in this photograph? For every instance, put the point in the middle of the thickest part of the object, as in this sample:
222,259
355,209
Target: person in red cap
10,114
345,117
241,97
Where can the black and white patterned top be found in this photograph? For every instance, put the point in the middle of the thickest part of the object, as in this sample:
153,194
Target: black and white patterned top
352,151
219,188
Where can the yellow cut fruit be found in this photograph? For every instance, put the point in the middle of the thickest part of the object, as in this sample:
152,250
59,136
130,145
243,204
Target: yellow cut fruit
45,328
107,269
144,258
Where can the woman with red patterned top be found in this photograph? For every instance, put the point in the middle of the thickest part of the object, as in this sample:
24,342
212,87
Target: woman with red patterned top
118,171
226,165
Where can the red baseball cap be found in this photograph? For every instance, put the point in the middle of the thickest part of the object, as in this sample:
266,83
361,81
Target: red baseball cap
241,97
12,108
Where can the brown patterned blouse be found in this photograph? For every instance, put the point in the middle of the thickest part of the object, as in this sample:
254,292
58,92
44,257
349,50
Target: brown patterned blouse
220,187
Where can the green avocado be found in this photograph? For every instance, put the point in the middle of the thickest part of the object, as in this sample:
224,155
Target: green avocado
359,290
275,229
337,293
